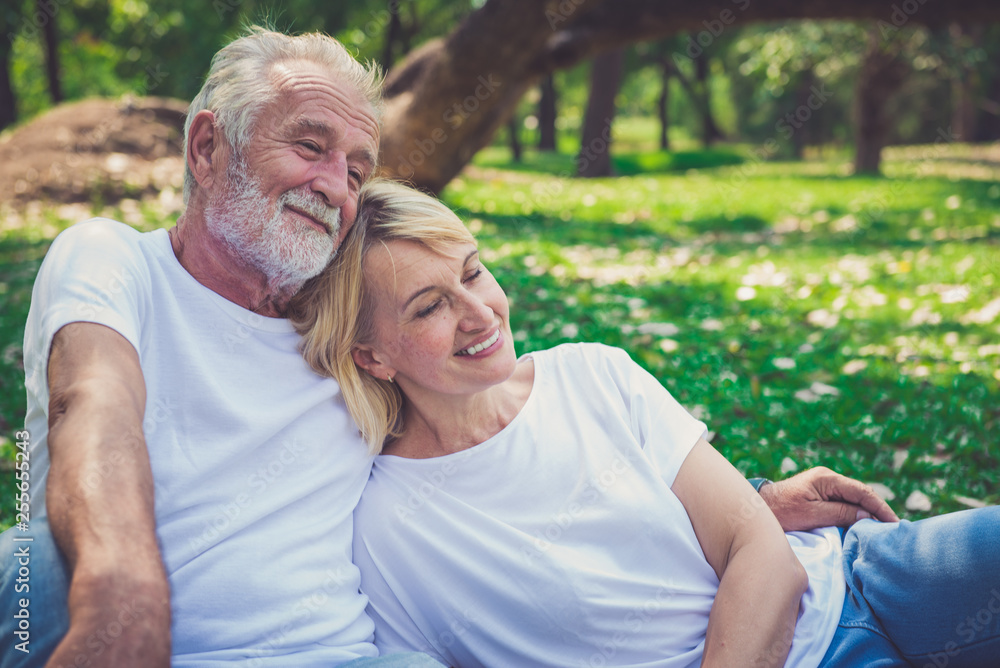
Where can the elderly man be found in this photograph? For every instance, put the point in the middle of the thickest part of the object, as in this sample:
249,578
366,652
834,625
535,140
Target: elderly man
197,477
189,461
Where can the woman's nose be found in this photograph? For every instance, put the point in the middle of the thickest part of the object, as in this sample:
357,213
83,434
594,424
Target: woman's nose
477,314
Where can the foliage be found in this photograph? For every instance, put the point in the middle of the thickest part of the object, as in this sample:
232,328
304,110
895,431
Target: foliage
774,67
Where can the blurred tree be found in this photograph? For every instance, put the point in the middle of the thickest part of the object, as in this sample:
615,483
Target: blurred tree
692,72
966,85
884,69
665,56
45,8
547,114
595,143
10,17
514,138
796,81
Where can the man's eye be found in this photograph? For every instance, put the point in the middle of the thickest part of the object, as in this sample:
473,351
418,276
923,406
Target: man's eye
310,146
358,176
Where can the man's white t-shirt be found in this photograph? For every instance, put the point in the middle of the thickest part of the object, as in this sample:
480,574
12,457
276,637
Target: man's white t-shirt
257,464
558,541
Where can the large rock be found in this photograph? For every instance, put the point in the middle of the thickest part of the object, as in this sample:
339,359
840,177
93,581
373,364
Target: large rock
95,150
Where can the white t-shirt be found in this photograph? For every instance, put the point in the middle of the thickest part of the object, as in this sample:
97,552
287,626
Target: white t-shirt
558,542
256,463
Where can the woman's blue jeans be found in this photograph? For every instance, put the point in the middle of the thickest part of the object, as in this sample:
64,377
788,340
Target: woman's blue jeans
923,593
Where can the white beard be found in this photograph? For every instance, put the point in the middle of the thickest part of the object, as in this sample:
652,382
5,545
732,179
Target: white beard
260,233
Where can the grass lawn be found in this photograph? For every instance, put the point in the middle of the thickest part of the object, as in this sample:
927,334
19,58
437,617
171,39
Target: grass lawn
808,317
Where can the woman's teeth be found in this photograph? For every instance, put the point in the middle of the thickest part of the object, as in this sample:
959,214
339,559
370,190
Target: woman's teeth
479,347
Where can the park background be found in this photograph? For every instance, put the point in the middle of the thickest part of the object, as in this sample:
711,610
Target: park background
788,212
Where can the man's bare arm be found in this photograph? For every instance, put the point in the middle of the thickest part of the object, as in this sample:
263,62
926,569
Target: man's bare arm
100,502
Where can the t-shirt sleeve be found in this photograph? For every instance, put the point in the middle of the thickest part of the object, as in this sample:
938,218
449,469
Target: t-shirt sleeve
665,430
395,630
92,272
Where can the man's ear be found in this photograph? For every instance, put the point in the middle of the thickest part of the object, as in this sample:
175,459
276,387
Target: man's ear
203,149
369,360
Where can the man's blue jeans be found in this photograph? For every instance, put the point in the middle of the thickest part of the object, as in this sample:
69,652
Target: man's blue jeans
47,616
32,571
923,593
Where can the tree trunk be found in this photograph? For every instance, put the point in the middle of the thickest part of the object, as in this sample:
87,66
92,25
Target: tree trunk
514,137
10,18
393,36
882,73
698,94
447,99
663,107
710,132
51,49
989,116
800,138
547,114
8,107
965,82
595,143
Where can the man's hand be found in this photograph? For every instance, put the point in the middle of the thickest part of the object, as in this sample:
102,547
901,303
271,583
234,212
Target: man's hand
122,624
821,498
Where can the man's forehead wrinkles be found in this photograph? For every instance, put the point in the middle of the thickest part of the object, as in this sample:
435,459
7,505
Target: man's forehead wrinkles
288,79
311,125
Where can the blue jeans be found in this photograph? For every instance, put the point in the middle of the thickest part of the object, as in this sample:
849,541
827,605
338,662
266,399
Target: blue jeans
32,571
923,594
47,617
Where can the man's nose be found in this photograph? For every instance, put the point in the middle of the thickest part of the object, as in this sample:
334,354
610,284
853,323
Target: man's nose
331,180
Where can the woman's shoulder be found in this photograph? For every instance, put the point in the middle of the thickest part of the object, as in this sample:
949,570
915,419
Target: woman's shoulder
581,350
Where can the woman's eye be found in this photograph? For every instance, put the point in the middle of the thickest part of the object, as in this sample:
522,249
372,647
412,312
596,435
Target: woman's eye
428,310
474,275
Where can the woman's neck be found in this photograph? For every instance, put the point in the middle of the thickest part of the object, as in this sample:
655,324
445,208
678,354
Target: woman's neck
448,424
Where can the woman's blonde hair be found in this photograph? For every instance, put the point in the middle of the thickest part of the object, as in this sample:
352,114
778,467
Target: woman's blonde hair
335,311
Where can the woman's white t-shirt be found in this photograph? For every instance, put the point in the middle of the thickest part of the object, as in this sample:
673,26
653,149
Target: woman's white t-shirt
558,542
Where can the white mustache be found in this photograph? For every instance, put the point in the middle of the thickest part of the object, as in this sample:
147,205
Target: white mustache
313,206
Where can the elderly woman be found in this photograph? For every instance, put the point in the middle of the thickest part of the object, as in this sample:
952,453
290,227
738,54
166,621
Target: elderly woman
562,509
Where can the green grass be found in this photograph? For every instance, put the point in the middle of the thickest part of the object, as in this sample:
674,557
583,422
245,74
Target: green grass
808,317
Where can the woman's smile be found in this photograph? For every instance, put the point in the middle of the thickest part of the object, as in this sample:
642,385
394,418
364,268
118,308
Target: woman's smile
486,347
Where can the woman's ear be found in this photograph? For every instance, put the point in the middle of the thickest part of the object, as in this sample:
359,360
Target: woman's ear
369,360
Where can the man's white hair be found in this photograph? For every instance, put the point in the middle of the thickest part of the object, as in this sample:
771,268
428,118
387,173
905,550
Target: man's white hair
239,83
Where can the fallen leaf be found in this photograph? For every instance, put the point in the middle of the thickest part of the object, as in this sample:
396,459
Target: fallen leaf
882,490
918,501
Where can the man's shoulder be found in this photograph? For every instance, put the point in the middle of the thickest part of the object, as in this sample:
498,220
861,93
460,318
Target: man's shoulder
101,230
103,241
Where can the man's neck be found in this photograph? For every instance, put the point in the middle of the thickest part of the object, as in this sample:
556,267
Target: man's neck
211,263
